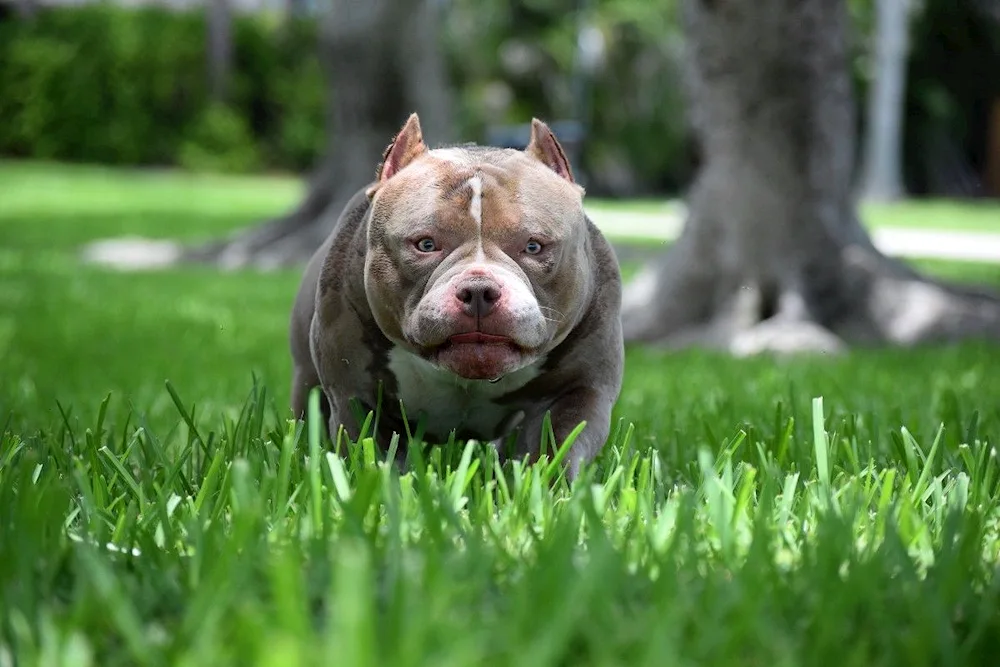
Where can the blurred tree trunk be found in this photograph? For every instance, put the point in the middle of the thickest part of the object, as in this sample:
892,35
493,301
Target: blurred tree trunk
882,178
220,48
772,256
23,9
993,150
381,61
292,9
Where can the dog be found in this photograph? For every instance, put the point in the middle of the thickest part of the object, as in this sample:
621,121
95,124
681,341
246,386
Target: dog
467,284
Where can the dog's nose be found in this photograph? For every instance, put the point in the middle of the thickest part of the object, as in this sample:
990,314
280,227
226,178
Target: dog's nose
479,299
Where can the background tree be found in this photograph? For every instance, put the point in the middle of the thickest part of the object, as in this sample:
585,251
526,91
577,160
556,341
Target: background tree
381,61
951,89
220,48
772,255
882,175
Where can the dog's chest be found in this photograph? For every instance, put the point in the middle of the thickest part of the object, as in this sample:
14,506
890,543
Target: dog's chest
450,403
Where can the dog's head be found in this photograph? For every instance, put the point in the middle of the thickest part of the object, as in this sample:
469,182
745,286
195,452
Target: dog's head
477,257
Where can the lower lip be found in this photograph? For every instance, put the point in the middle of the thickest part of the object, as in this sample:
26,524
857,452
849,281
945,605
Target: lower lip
479,356
477,338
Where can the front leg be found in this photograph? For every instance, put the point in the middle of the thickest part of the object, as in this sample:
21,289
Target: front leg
351,413
584,404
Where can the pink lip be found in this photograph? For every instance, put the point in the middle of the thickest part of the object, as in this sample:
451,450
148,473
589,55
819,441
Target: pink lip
479,338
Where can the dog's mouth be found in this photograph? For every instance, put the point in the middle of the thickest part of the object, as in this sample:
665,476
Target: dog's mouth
479,356
480,338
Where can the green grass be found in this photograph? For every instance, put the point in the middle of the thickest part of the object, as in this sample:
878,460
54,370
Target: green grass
189,205
65,205
937,215
959,216
733,520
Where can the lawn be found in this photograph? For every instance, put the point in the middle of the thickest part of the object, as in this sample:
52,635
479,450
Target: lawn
945,215
156,507
195,204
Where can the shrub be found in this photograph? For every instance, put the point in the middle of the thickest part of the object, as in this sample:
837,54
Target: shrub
220,141
103,83
100,83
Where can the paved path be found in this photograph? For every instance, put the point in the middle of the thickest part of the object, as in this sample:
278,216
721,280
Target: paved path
921,243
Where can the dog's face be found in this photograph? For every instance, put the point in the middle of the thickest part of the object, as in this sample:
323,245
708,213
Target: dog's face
477,257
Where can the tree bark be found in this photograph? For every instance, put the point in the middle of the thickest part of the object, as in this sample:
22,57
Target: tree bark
220,48
882,178
993,150
773,256
381,62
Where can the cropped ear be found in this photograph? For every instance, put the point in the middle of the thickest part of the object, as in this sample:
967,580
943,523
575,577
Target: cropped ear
545,147
405,147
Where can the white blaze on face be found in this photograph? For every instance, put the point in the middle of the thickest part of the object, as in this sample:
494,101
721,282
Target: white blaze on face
476,205
476,211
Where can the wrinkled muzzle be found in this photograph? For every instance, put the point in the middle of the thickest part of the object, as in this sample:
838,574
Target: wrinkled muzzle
480,322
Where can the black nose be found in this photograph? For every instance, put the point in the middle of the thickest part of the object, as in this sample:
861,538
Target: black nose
479,299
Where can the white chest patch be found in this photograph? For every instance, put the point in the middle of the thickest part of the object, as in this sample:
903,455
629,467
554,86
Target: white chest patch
453,403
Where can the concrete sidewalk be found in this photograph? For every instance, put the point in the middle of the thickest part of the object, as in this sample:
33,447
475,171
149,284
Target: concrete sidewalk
918,243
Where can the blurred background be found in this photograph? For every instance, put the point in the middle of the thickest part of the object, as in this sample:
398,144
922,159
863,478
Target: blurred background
250,86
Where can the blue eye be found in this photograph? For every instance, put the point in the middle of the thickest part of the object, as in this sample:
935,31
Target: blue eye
426,245
533,247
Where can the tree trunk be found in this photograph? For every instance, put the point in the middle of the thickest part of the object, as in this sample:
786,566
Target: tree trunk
292,9
381,61
772,256
993,150
220,49
882,178
27,9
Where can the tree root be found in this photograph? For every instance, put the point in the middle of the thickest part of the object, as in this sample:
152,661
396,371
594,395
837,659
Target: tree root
132,253
675,303
280,242
739,330
277,243
786,337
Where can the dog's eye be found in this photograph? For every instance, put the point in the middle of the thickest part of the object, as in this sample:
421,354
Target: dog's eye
426,245
533,247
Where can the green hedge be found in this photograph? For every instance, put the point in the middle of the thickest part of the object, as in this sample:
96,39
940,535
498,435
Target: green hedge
98,83
107,84
101,83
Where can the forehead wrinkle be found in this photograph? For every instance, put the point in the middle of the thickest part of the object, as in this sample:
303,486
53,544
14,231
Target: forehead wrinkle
502,210
451,215
450,180
463,190
454,198
453,221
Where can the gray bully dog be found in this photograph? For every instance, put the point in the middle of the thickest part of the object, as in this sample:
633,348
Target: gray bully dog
469,283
